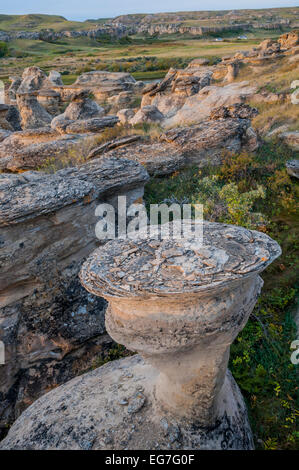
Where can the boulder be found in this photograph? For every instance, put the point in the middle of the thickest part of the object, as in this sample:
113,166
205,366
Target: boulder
13,117
147,114
170,94
293,168
54,78
291,139
70,141
289,40
83,126
4,124
82,107
51,327
49,99
201,145
198,63
15,83
123,99
33,79
237,110
33,115
124,115
232,71
103,84
197,108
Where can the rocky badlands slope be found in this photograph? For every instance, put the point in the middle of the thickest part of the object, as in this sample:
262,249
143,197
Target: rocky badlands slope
64,149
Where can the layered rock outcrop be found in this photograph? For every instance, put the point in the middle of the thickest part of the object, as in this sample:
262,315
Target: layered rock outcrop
229,129
70,141
101,84
52,329
180,303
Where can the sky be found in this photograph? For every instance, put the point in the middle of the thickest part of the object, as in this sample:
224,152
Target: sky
81,10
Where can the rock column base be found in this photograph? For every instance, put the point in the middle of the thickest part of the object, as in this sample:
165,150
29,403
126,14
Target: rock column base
114,407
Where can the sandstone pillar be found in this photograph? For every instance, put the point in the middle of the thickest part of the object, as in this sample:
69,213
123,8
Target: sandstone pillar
181,305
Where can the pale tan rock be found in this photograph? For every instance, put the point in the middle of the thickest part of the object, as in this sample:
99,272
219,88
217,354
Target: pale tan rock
33,115
291,139
49,99
15,83
125,115
4,124
197,108
180,303
148,113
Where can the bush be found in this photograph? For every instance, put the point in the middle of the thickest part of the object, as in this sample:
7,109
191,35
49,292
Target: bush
3,49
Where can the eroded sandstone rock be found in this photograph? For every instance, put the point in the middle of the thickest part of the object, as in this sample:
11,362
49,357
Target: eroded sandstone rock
51,328
289,40
197,108
33,79
202,145
15,83
147,114
293,168
82,107
49,99
180,303
33,115
125,115
291,139
4,124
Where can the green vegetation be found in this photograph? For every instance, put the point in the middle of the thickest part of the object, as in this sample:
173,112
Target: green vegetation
255,191
38,22
3,49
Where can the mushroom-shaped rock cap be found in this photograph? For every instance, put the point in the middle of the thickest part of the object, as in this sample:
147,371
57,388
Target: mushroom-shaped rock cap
125,268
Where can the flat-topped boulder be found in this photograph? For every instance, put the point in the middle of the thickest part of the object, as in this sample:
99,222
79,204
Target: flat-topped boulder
161,267
180,303
52,329
147,113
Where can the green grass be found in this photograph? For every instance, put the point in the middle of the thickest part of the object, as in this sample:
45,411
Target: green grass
260,356
152,75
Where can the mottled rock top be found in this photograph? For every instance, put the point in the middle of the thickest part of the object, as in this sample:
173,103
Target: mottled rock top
124,268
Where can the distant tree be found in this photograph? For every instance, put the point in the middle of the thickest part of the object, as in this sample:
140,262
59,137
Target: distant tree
3,49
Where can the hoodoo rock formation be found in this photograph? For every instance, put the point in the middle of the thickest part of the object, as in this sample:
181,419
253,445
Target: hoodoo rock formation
52,329
180,303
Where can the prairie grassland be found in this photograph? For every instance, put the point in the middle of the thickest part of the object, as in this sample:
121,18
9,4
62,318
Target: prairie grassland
275,78
69,54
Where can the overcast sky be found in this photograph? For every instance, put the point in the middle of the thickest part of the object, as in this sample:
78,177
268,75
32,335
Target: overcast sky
84,9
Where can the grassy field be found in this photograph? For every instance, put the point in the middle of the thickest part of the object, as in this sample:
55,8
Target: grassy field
37,22
72,54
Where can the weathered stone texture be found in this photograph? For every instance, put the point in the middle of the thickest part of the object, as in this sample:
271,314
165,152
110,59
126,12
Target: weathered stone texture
51,328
